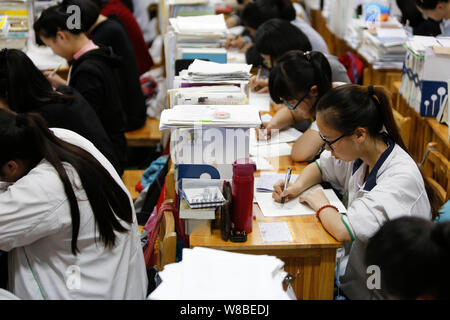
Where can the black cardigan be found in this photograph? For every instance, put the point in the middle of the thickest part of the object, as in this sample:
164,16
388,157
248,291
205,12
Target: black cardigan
111,33
78,116
95,76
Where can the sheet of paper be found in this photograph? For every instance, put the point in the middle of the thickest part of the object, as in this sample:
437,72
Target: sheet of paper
266,117
277,136
261,100
270,150
261,163
275,232
270,208
265,182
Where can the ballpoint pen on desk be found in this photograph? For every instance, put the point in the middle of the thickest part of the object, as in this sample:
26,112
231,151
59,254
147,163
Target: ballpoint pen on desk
286,182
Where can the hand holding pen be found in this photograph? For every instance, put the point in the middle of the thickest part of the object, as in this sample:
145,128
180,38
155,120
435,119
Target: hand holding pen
286,182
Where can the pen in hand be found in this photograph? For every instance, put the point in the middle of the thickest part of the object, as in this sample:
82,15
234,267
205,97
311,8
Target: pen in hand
259,73
286,182
51,74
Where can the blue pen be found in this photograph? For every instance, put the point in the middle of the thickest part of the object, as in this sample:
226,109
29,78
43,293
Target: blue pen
286,182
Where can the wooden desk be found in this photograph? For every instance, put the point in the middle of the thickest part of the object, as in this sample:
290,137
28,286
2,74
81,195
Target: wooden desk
310,258
147,136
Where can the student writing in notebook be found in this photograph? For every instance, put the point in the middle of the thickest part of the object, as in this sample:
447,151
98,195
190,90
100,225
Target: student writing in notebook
93,71
67,220
298,80
366,157
109,32
61,108
276,37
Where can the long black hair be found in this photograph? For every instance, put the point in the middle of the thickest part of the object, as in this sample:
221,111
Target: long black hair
296,72
24,86
351,106
277,36
25,136
413,255
257,12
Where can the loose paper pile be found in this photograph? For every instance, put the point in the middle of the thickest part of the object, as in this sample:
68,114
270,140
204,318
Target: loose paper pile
208,274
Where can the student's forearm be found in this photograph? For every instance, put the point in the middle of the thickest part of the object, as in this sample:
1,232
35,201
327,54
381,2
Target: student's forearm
306,146
282,119
308,177
332,222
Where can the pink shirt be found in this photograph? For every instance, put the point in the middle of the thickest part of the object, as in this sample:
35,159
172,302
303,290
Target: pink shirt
88,47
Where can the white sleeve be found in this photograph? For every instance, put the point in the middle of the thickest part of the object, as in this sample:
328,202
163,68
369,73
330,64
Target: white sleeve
369,212
27,214
333,170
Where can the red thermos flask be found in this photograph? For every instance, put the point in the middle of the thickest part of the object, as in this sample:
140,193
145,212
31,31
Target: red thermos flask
242,191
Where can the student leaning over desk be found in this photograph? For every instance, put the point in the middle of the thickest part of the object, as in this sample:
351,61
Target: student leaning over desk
366,157
62,108
298,80
93,71
66,218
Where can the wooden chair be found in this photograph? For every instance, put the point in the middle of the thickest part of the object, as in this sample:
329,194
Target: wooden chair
167,240
130,178
404,126
436,169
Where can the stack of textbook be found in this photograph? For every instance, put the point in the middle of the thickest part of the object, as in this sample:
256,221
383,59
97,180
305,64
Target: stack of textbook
384,47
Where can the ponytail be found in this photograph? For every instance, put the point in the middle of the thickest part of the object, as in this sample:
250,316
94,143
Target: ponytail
383,102
296,72
26,136
351,106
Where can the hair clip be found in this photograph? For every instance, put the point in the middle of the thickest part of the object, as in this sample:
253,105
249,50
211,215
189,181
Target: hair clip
307,54
372,94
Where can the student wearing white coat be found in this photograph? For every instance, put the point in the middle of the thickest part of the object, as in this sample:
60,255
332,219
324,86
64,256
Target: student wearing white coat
66,217
380,180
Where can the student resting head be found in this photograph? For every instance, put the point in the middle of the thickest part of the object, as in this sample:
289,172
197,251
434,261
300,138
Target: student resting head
276,37
413,256
299,79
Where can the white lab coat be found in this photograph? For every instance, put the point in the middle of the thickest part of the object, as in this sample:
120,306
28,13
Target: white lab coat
393,189
35,225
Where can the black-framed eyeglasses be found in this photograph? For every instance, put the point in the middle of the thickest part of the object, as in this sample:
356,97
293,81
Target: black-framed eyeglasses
298,102
329,143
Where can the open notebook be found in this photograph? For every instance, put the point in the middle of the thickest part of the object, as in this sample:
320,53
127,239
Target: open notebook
270,208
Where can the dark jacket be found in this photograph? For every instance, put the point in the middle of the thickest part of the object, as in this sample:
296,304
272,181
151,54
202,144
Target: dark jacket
111,33
77,115
95,76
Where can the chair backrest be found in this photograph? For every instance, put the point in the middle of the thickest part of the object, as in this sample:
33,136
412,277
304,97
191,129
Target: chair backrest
436,170
404,126
167,240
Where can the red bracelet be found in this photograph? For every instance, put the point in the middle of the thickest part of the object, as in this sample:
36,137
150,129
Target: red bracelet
323,207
